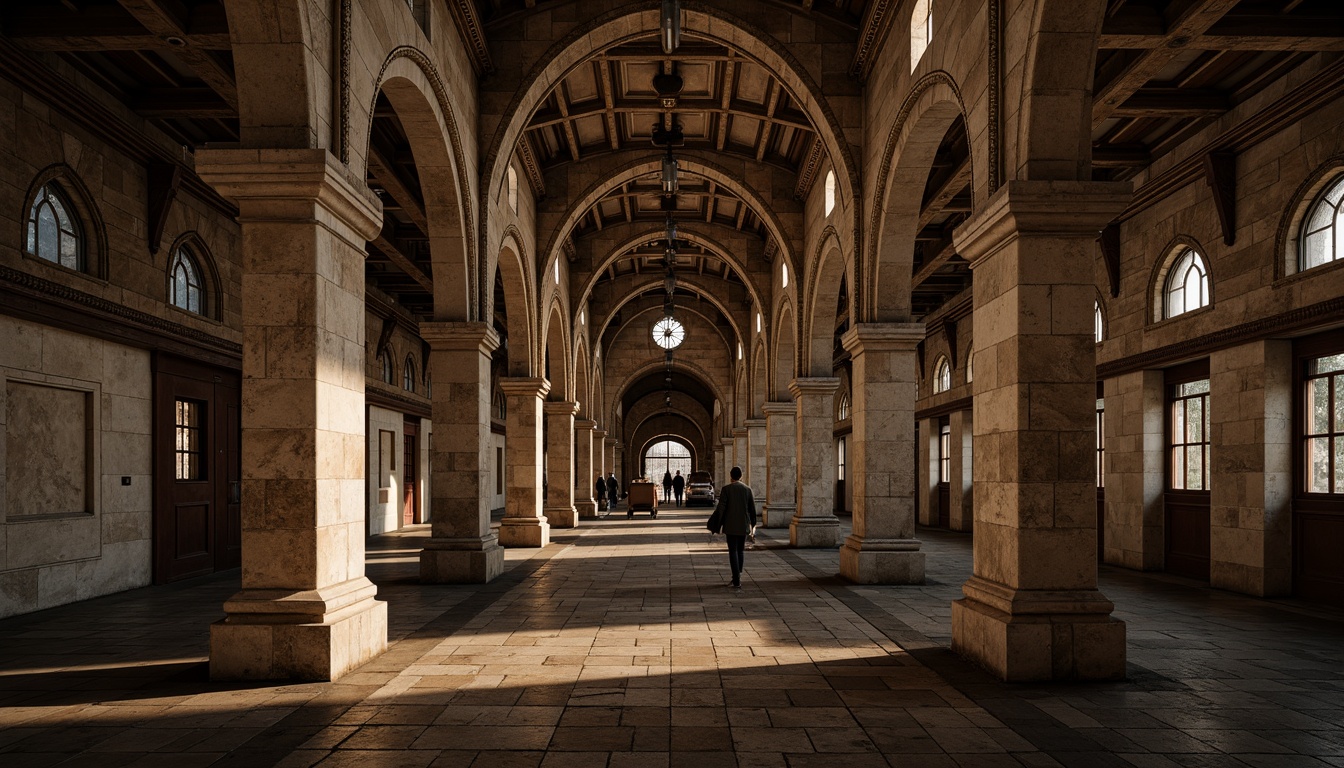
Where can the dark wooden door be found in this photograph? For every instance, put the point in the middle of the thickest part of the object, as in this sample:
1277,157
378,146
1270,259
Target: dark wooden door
1318,569
410,461
944,506
1187,533
197,468
1101,524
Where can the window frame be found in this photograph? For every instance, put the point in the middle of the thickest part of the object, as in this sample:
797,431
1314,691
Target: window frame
53,194
944,451
942,375
183,254
1172,379
1329,183
387,373
408,375
1176,256
1305,350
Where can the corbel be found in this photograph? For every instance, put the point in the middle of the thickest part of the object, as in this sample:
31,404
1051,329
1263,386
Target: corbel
1109,241
1220,170
163,180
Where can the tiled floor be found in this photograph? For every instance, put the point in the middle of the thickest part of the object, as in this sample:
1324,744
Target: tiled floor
619,645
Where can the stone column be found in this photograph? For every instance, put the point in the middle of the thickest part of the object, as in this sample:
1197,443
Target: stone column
523,524
1135,470
755,466
306,610
610,460
462,548
1251,468
814,523
716,468
883,548
926,471
1032,610
584,474
740,452
959,491
727,458
560,510
781,477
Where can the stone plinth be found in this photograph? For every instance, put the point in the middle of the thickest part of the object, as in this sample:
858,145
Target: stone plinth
814,523
883,548
584,476
524,524
781,477
756,460
462,548
560,510
306,610
1032,610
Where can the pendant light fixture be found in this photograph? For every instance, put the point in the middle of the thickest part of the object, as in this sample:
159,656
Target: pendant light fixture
669,25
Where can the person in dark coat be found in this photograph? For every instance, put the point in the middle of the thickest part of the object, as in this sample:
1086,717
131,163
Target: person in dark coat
678,485
667,486
613,491
737,516
600,489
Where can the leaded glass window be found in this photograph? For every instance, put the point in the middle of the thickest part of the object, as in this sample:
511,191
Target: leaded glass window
53,231
185,287
1190,436
1322,237
1187,285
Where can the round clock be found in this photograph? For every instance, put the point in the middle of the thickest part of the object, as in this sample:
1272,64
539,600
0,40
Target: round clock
668,333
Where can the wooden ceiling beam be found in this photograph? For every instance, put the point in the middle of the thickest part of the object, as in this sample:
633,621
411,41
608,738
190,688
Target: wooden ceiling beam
1174,102
402,262
729,82
383,174
943,196
1142,28
42,27
649,106
1121,156
168,18
1194,19
571,137
180,103
767,123
608,102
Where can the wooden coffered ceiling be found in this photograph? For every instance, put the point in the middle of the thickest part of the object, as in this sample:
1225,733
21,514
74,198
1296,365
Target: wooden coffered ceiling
728,103
698,200
1168,69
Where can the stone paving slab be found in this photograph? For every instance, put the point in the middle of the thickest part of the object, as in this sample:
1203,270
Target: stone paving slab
621,645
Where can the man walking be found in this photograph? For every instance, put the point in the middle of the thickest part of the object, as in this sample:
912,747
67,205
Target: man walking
678,485
600,491
613,491
667,486
736,511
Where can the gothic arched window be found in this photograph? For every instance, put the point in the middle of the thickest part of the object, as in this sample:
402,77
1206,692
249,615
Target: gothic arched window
408,375
942,376
1187,285
186,289
385,371
53,229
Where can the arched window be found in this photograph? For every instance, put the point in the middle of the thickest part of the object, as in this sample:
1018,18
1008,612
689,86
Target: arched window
408,375
186,289
513,189
942,376
429,385
1321,235
1187,285
784,273
53,229
501,406
842,407
830,192
921,31
669,457
1098,325
385,372
970,365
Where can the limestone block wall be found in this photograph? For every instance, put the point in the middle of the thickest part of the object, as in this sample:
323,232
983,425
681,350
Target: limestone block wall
75,420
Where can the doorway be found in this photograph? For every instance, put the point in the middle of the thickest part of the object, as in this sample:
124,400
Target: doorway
410,463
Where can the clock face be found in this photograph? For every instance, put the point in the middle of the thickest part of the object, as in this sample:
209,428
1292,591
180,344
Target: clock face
668,333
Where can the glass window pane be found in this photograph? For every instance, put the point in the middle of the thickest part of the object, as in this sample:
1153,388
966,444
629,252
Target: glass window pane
194,299
1316,249
1194,470
1194,420
1327,364
1339,465
1318,406
1178,468
47,233
1318,464
1322,216
69,251
1339,404
1177,422
1335,193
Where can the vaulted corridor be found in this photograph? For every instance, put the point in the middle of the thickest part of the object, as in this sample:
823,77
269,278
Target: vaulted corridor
619,645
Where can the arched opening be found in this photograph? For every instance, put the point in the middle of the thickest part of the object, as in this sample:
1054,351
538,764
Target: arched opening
667,456
783,364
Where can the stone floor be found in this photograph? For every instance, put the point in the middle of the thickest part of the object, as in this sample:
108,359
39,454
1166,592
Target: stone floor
619,645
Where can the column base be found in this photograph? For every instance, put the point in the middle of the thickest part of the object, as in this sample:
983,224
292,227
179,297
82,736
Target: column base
587,509
776,516
466,561
1065,635
315,635
814,532
524,532
562,517
882,561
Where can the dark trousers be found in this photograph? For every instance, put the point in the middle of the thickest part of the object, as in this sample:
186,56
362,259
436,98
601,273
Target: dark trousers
737,551
667,493
677,491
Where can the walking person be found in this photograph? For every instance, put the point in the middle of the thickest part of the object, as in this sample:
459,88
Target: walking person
600,492
613,491
735,515
678,485
667,487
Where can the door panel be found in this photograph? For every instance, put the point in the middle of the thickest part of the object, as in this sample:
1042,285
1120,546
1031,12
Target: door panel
944,506
1101,524
1187,534
1318,569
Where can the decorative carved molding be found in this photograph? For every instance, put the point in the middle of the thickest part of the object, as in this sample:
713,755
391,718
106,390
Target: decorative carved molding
995,64
950,407
1302,319
49,301
343,84
807,173
441,95
872,33
473,35
531,169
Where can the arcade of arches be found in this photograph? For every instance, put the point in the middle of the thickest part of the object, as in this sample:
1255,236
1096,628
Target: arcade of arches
280,276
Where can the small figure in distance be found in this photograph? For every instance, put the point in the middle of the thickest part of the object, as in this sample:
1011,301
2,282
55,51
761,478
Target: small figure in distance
678,485
613,491
667,486
600,492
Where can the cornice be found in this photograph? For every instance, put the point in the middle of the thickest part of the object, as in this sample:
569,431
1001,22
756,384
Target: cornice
473,35
872,33
398,402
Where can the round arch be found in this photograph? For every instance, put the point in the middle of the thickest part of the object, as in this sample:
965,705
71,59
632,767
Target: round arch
641,20
679,365
830,268
557,347
783,365
638,289
519,309
907,157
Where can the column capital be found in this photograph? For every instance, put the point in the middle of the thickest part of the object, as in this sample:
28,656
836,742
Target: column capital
754,423
610,441
739,431
599,434
587,425
882,337
463,337
560,407
263,181
817,385
1076,208
523,385
779,408
725,441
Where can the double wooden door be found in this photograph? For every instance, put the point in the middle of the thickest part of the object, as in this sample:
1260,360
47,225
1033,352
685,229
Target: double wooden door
197,469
